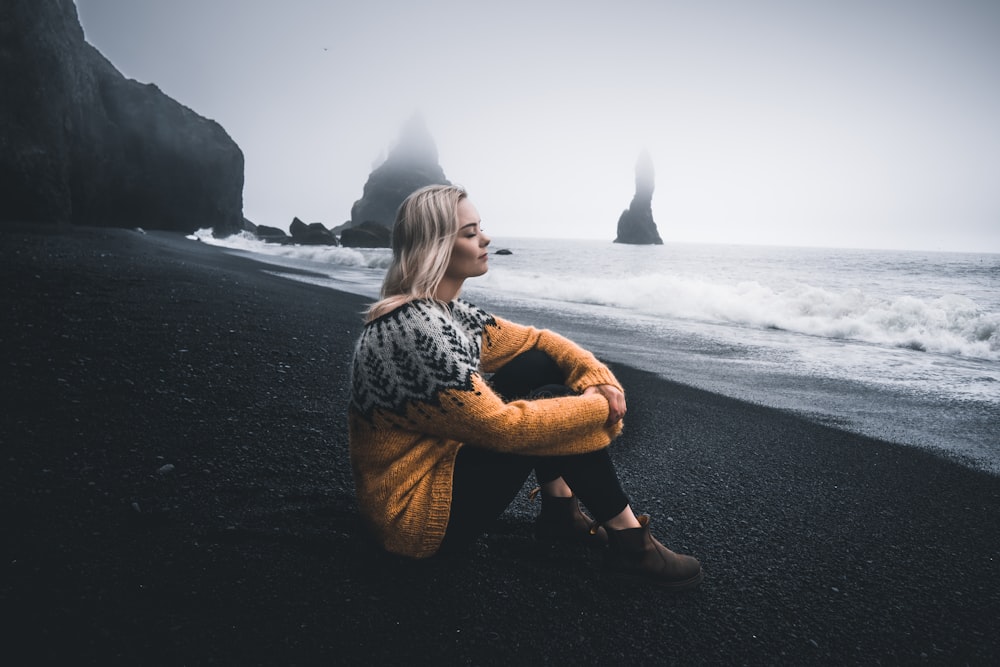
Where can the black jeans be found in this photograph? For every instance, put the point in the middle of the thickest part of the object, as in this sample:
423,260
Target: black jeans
486,481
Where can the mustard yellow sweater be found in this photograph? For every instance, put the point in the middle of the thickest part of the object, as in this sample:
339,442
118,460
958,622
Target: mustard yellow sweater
418,394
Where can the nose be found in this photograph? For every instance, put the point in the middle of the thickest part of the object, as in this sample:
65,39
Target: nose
485,240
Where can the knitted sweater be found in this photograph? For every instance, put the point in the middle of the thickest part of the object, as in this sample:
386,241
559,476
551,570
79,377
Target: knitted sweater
418,394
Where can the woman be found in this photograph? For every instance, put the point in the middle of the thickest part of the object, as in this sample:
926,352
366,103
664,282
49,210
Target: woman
439,451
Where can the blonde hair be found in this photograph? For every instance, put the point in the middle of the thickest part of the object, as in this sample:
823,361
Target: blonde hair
422,239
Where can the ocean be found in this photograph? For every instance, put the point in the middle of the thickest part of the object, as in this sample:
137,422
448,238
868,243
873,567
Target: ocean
898,345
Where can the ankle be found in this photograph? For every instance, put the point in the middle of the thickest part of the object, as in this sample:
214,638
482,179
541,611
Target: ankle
556,488
624,520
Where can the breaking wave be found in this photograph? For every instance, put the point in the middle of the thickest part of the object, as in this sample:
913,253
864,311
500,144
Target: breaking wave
948,324
945,323
373,258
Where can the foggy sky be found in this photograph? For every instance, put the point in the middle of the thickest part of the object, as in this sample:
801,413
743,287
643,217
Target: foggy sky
849,124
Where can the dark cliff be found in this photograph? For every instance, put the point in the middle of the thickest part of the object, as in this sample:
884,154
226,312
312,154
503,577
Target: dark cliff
636,225
80,143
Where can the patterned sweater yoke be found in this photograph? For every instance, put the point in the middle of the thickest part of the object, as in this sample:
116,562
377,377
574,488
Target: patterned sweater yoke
415,353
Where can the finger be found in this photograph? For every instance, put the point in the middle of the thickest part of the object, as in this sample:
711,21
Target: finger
619,403
613,413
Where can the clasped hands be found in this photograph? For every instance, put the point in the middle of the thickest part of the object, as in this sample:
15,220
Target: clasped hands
615,398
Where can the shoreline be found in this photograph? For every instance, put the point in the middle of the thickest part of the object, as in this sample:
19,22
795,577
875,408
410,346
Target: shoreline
957,426
928,400
178,491
958,430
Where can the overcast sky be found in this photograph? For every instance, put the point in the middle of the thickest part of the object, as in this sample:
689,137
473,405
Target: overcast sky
849,123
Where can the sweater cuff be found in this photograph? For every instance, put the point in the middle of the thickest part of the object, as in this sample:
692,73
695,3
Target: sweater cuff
594,377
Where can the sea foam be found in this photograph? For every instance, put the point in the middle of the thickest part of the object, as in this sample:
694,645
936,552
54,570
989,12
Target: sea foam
633,280
374,258
949,324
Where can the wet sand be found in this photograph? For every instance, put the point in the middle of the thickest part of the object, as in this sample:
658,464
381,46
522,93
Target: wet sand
176,490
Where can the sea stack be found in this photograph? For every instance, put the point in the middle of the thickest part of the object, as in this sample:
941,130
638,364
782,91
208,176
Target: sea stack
636,226
82,144
412,163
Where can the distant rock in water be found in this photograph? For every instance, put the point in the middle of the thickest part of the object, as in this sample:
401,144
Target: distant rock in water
412,163
314,233
366,235
80,143
272,234
636,224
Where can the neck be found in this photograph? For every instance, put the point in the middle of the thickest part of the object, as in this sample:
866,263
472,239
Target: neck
448,289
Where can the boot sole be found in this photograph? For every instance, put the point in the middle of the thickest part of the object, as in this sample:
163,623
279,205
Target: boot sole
589,541
595,544
671,586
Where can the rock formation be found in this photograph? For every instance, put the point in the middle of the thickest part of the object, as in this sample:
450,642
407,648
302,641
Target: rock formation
271,234
367,235
412,163
315,233
80,143
636,224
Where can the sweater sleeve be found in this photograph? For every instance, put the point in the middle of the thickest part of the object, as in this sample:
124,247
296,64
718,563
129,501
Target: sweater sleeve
551,426
503,340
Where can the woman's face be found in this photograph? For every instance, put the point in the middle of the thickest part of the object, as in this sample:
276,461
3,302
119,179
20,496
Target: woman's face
468,256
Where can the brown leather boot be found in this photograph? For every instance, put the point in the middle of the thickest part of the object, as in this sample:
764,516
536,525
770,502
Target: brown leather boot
634,552
562,520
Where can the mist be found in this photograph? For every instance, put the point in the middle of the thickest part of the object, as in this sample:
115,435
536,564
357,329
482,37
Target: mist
851,124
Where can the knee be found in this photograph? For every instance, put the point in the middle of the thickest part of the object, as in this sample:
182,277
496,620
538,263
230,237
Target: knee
550,391
525,373
537,362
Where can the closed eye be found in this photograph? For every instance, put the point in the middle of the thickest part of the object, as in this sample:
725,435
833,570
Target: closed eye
472,229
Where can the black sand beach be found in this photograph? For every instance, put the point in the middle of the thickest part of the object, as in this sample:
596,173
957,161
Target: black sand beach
176,490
